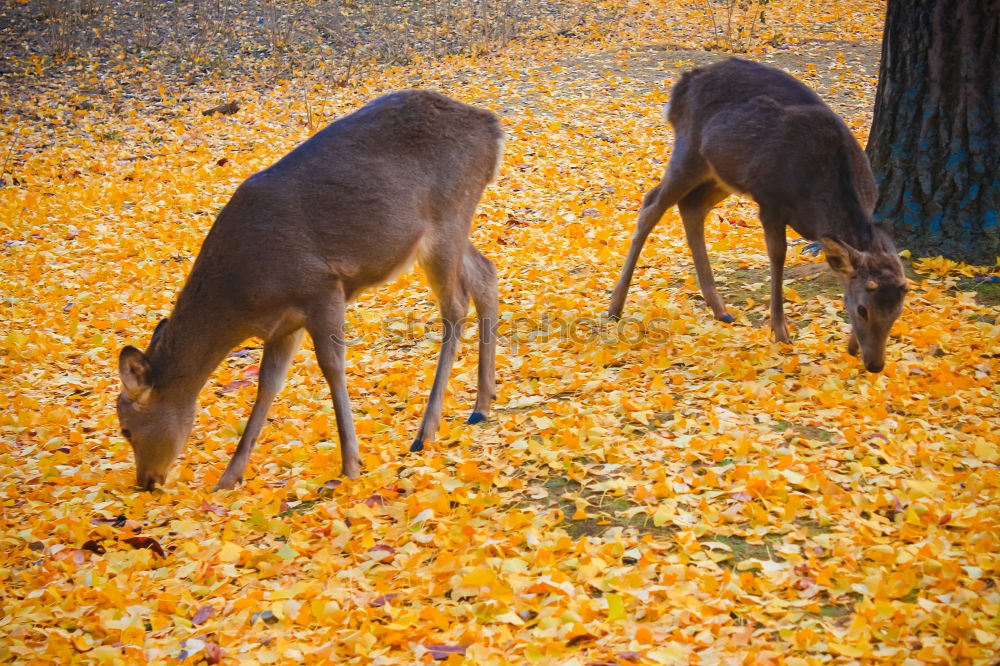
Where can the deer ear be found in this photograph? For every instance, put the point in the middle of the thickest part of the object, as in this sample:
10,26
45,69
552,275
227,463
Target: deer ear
843,258
136,373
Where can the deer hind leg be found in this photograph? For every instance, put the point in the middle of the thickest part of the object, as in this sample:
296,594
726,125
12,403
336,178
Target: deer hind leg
694,207
277,356
444,265
326,327
685,171
774,238
479,276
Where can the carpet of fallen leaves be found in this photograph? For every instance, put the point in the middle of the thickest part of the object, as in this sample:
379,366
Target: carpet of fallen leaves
666,490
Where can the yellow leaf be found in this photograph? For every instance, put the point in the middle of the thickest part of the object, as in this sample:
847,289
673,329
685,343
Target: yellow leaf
793,477
849,650
81,642
510,617
987,451
670,652
984,637
616,609
230,552
479,577
663,515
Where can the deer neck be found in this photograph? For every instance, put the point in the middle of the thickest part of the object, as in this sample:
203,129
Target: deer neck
191,345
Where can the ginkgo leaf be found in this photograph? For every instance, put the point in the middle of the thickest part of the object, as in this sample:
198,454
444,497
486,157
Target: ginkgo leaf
479,577
616,609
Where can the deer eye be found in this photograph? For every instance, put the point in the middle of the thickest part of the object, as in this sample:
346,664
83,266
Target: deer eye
126,433
863,312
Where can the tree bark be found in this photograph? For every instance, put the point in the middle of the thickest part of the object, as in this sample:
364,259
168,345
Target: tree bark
935,139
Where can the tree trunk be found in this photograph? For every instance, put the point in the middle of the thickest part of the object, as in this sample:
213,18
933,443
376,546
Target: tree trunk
935,139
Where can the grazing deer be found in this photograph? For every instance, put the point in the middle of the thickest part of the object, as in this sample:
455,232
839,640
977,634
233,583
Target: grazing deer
744,127
396,181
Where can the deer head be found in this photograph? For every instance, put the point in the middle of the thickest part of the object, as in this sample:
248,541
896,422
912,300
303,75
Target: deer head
155,425
874,286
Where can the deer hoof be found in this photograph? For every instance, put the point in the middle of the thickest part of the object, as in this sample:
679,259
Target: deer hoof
226,484
727,319
475,417
418,445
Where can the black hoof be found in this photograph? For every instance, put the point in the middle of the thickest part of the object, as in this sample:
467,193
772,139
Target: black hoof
475,417
418,445
727,318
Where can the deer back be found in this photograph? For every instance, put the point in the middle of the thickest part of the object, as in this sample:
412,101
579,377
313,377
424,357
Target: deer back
766,134
352,203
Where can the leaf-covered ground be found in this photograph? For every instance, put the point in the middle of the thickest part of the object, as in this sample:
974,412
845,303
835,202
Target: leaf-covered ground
664,490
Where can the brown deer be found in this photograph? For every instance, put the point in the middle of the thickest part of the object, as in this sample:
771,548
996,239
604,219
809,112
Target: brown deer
396,181
747,128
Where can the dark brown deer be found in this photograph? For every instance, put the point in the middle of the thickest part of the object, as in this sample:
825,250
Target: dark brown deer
355,205
747,128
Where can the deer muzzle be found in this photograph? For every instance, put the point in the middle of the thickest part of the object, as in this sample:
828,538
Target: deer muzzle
874,366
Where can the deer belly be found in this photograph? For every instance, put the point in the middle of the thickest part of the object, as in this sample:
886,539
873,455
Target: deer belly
726,184
386,269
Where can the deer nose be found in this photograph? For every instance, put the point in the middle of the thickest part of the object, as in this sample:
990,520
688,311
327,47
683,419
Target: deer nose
875,366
